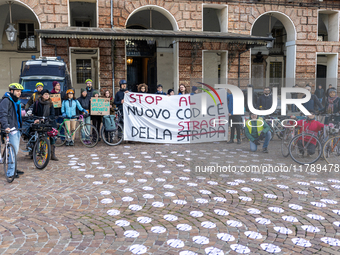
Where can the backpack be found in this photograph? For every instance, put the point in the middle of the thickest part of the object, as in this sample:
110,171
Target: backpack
109,123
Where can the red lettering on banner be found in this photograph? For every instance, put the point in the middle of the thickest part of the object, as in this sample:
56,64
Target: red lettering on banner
190,101
158,98
195,124
184,100
205,123
131,96
140,100
146,99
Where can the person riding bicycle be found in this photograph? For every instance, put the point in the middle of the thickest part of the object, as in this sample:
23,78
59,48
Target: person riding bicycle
10,117
68,110
44,108
257,129
39,87
310,126
332,105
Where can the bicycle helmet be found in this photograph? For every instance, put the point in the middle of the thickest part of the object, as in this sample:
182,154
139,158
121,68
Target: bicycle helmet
88,81
15,86
39,84
122,82
70,91
52,133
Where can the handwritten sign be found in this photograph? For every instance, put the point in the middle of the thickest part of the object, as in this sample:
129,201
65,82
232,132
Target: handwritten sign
176,119
100,106
56,100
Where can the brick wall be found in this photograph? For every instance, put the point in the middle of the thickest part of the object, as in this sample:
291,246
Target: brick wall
188,15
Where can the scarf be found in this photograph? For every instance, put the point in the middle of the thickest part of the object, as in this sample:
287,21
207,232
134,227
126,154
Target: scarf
47,105
331,100
54,92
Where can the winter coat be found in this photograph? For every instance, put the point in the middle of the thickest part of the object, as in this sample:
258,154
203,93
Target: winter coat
38,110
265,101
85,102
313,104
320,93
336,106
310,127
10,112
160,93
35,96
69,107
230,103
119,97
89,92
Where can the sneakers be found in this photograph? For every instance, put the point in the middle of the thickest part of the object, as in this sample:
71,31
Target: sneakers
238,141
86,142
67,143
265,150
71,143
20,172
231,141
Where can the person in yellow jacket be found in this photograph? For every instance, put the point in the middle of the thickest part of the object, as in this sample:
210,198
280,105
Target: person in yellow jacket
257,129
35,96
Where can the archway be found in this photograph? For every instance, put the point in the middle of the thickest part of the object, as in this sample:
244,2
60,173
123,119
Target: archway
274,67
25,22
151,61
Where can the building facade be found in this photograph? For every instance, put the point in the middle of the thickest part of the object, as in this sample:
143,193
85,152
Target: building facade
177,42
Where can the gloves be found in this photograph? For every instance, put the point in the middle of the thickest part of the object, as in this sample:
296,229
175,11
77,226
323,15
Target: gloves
64,115
262,136
86,112
257,142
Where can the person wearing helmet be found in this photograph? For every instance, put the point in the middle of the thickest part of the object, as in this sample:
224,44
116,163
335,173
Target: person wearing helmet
89,88
43,107
119,98
10,117
68,110
38,88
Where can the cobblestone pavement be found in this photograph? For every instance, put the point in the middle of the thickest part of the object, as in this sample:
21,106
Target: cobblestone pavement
148,199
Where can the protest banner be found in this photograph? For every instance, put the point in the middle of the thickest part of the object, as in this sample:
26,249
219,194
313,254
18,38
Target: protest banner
100,106
56,100
175,119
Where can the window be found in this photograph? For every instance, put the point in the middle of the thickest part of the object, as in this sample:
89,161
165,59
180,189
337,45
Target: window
26,37
328,26
83,70
215,18
83,13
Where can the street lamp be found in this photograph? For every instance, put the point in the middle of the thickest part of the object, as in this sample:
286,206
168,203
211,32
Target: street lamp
11,33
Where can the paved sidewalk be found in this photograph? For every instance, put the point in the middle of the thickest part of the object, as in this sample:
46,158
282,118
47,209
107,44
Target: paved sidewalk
148,199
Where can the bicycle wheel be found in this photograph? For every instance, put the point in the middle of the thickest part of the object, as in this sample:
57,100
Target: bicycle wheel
89,135
113,138
287,136
41,153
60,139
9,158
305,149
331,150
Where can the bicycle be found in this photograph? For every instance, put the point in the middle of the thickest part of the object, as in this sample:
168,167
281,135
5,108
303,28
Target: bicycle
305,148
276,126
116,136
8,156
88,133
38,143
